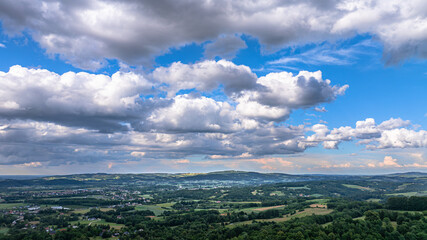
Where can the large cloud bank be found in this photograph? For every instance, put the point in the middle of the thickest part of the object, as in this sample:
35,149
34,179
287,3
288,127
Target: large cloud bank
47,118
210,109
86,33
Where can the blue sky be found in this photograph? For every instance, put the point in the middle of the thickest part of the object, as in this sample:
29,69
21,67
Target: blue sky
106,90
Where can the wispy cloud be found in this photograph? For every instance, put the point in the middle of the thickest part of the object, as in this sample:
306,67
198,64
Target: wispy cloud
329,54
320,109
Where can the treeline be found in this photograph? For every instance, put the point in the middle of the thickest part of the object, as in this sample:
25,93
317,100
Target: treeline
126,215
83,232
6,219
39,182
342,223
377,224
407,203
208,204
88,202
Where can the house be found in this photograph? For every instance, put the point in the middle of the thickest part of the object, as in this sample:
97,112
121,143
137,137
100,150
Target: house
33,208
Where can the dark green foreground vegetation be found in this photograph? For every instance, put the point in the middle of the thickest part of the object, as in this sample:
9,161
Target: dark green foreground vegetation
334,208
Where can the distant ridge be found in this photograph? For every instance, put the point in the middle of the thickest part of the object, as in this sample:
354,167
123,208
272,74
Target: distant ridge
408,174
184,174
20,177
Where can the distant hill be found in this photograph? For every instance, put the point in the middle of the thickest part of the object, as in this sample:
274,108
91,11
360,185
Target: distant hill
20,177
410,173
242,176
221,177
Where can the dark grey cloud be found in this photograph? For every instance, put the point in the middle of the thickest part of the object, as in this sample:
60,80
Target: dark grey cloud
30,142
33,144
225,47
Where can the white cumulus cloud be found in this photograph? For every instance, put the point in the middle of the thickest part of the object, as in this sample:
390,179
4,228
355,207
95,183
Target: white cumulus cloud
86,33
392,133
206,76
96,101
281,92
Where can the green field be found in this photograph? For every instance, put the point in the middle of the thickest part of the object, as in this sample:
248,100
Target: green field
85,210
101,221
358,187
82,211
11,205
306,212
403,186
408,194
299,188
105,209
277,193
318,201
146,196
309,212
156,209
166,205
257,209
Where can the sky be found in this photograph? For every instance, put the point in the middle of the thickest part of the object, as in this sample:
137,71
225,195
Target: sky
299,87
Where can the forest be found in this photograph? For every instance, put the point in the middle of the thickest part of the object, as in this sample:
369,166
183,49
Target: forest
334,207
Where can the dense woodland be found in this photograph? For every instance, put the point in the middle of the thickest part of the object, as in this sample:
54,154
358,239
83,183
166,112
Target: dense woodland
350,220
346,208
